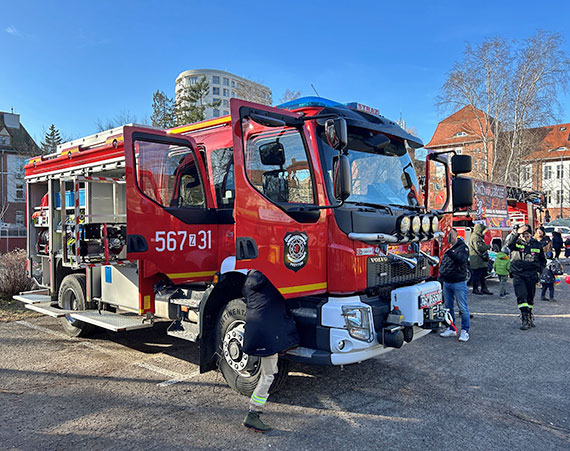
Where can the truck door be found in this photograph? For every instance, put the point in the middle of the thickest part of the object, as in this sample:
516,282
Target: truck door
278,231
171,226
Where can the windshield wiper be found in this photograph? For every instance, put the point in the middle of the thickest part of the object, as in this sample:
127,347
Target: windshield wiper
409,207
367,204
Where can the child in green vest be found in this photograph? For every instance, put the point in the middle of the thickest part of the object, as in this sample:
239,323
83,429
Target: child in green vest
502,266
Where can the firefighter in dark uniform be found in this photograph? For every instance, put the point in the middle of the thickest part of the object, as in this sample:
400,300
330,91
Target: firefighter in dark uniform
527,262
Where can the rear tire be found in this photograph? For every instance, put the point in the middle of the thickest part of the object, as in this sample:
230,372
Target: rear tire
241,371
72,297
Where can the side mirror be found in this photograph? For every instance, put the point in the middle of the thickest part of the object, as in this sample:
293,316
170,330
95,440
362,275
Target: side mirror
341,179
336,133
462,192
460,164
272,154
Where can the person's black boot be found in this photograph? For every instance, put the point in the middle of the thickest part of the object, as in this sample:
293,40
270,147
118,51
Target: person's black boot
252,421
476,291
524,318
484,289
531,319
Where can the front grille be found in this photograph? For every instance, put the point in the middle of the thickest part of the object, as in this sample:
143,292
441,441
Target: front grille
387,270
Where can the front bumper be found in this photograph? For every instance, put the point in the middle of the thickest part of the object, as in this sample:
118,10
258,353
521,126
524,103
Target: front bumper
339,347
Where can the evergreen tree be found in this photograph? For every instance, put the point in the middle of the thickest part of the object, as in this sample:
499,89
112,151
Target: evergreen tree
191,103
51,140
163,114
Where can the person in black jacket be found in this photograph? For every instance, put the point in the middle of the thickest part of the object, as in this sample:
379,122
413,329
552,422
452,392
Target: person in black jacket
557,243
527,262
453,274
269,330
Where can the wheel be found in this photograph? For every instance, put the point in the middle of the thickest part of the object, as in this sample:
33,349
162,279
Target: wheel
241,371
72,297
469,276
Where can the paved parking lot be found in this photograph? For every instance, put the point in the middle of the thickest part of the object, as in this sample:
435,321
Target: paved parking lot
505,388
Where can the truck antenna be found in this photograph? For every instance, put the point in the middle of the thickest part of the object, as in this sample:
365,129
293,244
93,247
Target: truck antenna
315,89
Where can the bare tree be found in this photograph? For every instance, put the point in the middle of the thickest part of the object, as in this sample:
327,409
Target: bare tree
252,93
122,118
541,70
515,86
479,82
289,95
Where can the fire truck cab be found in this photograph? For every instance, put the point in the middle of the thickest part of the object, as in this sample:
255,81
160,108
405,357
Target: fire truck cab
137,225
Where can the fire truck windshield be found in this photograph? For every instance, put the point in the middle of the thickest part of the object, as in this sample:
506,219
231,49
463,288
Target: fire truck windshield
377,174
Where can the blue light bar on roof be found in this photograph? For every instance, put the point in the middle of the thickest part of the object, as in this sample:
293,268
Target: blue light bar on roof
304,102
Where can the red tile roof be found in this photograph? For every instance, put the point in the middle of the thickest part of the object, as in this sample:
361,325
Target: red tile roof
555,137
463,120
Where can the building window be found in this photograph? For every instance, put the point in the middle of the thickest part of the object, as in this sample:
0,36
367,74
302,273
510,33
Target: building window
216,80
226,92
226,112
559,171
216,112
475,165
193,80
216,91
548,198
459,151
19,191
20,217
4,140
525,173
558,196
216,101
233,83
226,102
459,134
547,172
226,81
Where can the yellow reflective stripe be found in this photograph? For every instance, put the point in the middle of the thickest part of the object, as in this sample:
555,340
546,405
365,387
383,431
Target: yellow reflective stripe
199,125
524,304
535,250
184,275
530,306
520,246
302,288
258,399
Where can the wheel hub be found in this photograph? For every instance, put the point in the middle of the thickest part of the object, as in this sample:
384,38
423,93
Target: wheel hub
232,348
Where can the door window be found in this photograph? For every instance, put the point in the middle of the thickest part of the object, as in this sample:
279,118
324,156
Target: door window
169,175
277,164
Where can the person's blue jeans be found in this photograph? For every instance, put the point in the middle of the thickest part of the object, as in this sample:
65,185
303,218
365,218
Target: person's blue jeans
457,292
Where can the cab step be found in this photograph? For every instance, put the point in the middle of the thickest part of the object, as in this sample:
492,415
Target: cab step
115,322
184,330
48,308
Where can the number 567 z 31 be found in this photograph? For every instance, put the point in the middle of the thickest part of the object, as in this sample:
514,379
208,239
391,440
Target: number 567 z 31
180,240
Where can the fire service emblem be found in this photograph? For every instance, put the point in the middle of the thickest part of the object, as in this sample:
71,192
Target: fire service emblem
296,251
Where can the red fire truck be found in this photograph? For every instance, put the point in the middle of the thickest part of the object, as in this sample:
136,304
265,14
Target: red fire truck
137,225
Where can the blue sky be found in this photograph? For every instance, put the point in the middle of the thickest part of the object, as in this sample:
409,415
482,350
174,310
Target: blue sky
73,63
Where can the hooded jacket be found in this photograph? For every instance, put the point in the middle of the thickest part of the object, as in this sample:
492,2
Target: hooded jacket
502,264
527,258
453,267
478,250
269,329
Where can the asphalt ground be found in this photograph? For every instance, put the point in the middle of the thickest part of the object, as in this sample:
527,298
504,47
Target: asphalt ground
504,389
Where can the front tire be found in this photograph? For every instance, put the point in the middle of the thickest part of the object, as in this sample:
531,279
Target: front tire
72,297
241,371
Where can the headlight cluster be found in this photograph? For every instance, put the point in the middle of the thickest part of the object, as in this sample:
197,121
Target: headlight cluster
426,224
357,320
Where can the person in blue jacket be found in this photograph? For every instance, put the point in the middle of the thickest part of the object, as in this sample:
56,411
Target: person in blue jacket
269,331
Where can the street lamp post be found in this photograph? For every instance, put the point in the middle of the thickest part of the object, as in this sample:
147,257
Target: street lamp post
561,180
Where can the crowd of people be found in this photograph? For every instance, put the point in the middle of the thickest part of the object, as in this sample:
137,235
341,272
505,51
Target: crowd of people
527,258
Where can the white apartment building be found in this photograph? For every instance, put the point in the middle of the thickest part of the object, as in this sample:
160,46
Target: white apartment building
224,86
